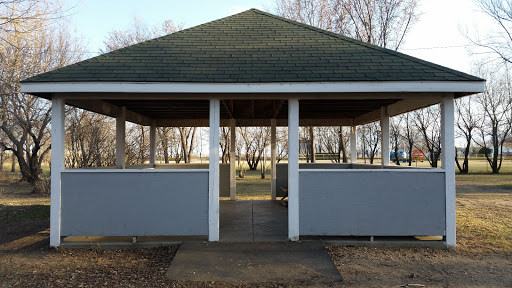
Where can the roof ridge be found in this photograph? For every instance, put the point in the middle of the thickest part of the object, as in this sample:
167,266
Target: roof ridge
362,43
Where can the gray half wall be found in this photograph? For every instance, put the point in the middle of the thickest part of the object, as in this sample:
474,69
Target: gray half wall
282,172
373,203
134,203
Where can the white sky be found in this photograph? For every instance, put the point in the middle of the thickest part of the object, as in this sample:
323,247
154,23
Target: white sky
435,38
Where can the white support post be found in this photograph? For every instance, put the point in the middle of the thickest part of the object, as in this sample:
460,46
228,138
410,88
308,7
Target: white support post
353,144
120,137
273,160
384,128
213,181
152,143
57,166
447,162
293,169
232,160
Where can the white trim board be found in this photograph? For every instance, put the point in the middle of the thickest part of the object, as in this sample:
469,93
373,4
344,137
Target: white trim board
281,87
398,170
130,170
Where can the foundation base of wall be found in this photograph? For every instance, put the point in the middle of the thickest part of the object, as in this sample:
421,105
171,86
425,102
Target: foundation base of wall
382,242
121,242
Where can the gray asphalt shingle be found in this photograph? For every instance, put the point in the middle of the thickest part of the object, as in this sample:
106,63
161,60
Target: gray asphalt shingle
252,46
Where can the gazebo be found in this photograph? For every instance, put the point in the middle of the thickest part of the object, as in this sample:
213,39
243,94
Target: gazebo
253,69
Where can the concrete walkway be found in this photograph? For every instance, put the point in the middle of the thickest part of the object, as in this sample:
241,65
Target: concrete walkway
306,263
253,221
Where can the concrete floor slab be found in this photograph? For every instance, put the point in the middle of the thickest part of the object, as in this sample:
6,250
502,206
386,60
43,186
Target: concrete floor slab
253,221
257,262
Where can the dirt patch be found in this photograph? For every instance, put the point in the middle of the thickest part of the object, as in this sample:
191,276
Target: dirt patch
370,267
86,268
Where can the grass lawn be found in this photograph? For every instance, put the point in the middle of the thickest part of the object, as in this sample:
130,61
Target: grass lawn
483,257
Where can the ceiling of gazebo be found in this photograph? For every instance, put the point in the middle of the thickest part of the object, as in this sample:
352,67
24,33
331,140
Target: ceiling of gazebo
252,112
252,109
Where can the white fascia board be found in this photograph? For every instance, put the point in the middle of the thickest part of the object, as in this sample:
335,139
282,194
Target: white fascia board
385,170
131,170
284,87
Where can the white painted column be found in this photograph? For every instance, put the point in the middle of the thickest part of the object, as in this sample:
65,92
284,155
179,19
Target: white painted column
447,162
293,169
232,160
57,149
353,144
152,143
120,137
213,175
273,160
384,128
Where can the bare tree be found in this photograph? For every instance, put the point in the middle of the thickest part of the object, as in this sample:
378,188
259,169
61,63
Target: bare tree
281,143
254,141
395,135
410,135
13,12
380,22
187,136
224,144
496,103
466,124
305,143
137,33
169,144
333,140
136,144
369,137
498,39
318,13
31,46
89,141
427,122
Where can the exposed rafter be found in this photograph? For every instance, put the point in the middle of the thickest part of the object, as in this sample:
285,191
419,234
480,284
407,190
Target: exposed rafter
109,109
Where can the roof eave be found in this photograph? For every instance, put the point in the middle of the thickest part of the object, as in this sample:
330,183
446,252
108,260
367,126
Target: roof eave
458,87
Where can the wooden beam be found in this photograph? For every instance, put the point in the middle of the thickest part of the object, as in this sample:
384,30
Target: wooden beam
353,144
230,110
121,138
152,143
273,160
213,175
447,156
384,136
397,108
278,108
251,122
58,135
293,169
108,109
232,159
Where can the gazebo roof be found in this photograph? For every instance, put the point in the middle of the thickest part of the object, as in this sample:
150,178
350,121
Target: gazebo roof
252,47
252,61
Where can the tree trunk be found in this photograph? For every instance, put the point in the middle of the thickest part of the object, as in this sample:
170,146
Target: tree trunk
13,165
1,160
312,143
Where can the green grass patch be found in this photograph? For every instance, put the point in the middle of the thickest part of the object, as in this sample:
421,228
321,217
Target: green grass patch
506,186
10,214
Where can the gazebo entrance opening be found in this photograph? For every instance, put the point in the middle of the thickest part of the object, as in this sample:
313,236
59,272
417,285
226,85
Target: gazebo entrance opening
248,209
